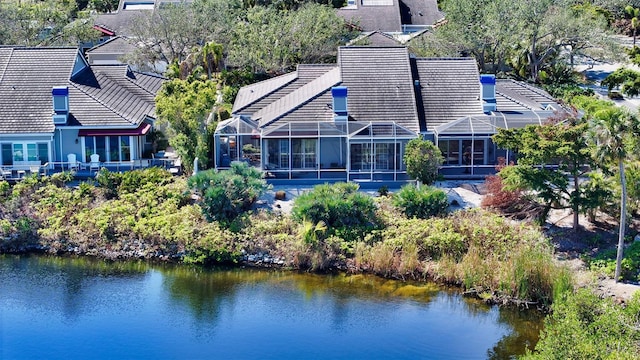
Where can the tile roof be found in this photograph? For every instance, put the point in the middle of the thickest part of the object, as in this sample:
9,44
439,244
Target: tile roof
380,85
120,22
249,94
450,89
375,38
107,95
297,98
381,89
420,12
516,95
115,45
372,18
254,97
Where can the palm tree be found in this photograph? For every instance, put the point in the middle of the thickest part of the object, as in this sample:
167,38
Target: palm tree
613,129
634,13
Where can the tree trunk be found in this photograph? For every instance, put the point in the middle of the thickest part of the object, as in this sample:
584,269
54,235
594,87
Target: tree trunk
623,217
574,206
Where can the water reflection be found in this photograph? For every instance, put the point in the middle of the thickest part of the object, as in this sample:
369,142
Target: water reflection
279,313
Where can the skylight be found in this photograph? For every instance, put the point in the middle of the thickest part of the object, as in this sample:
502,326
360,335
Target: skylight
377,2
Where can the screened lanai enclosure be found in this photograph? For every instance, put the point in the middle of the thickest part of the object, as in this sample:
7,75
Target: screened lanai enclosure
466,143
315,150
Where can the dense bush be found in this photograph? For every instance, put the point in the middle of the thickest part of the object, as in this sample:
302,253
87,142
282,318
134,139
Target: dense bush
483,252
227,194
584,326
347,213
423,159
605,263
422,203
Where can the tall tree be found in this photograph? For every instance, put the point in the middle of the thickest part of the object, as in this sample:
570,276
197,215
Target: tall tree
529,35
634,14
42,23
184,106
613,132
274,41
552,158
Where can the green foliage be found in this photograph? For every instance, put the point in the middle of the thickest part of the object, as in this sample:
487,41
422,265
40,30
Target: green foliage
537,39
270,40
483,252
627,79
185,106
605,263
567,91
104,5
584,326
423,202
109,182
423,158
560,143
48,22
347,213
227,194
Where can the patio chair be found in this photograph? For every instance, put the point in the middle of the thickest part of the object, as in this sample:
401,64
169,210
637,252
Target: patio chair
95,162
73,162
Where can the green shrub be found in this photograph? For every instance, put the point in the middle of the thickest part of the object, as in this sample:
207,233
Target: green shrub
423,159
605,263
109,182
584,326
132,181
422,203
347,213
61,178
227,194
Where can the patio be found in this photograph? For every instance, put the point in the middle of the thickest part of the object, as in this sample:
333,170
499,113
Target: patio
86,170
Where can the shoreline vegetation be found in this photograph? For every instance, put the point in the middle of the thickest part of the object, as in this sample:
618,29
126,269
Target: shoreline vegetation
151,215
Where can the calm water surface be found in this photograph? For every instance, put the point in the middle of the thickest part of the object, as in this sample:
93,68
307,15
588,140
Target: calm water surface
58,308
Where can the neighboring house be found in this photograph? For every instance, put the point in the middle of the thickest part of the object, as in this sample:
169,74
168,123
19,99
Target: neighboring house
399,18
352,120
375,38
110,52
53,103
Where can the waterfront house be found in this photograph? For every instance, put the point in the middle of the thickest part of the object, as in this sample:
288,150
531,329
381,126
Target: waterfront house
53,104
401,19
352,120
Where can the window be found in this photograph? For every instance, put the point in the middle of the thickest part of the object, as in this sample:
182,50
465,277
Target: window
18,152
450,150
304,153
43,153
384,156
32,152
125,148
109,148
284,153
12,152
60,103
114,151
7,154
361,157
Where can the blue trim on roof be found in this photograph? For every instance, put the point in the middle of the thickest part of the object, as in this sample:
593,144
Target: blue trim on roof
488,79
60,91
339,91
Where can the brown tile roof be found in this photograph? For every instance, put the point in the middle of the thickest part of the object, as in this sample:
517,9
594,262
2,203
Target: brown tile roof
380,85
107,95
450,89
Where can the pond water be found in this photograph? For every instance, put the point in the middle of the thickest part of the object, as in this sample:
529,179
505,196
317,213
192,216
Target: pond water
61,308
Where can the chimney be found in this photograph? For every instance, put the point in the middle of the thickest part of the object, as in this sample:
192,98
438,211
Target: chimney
339,94
60,95
488,83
